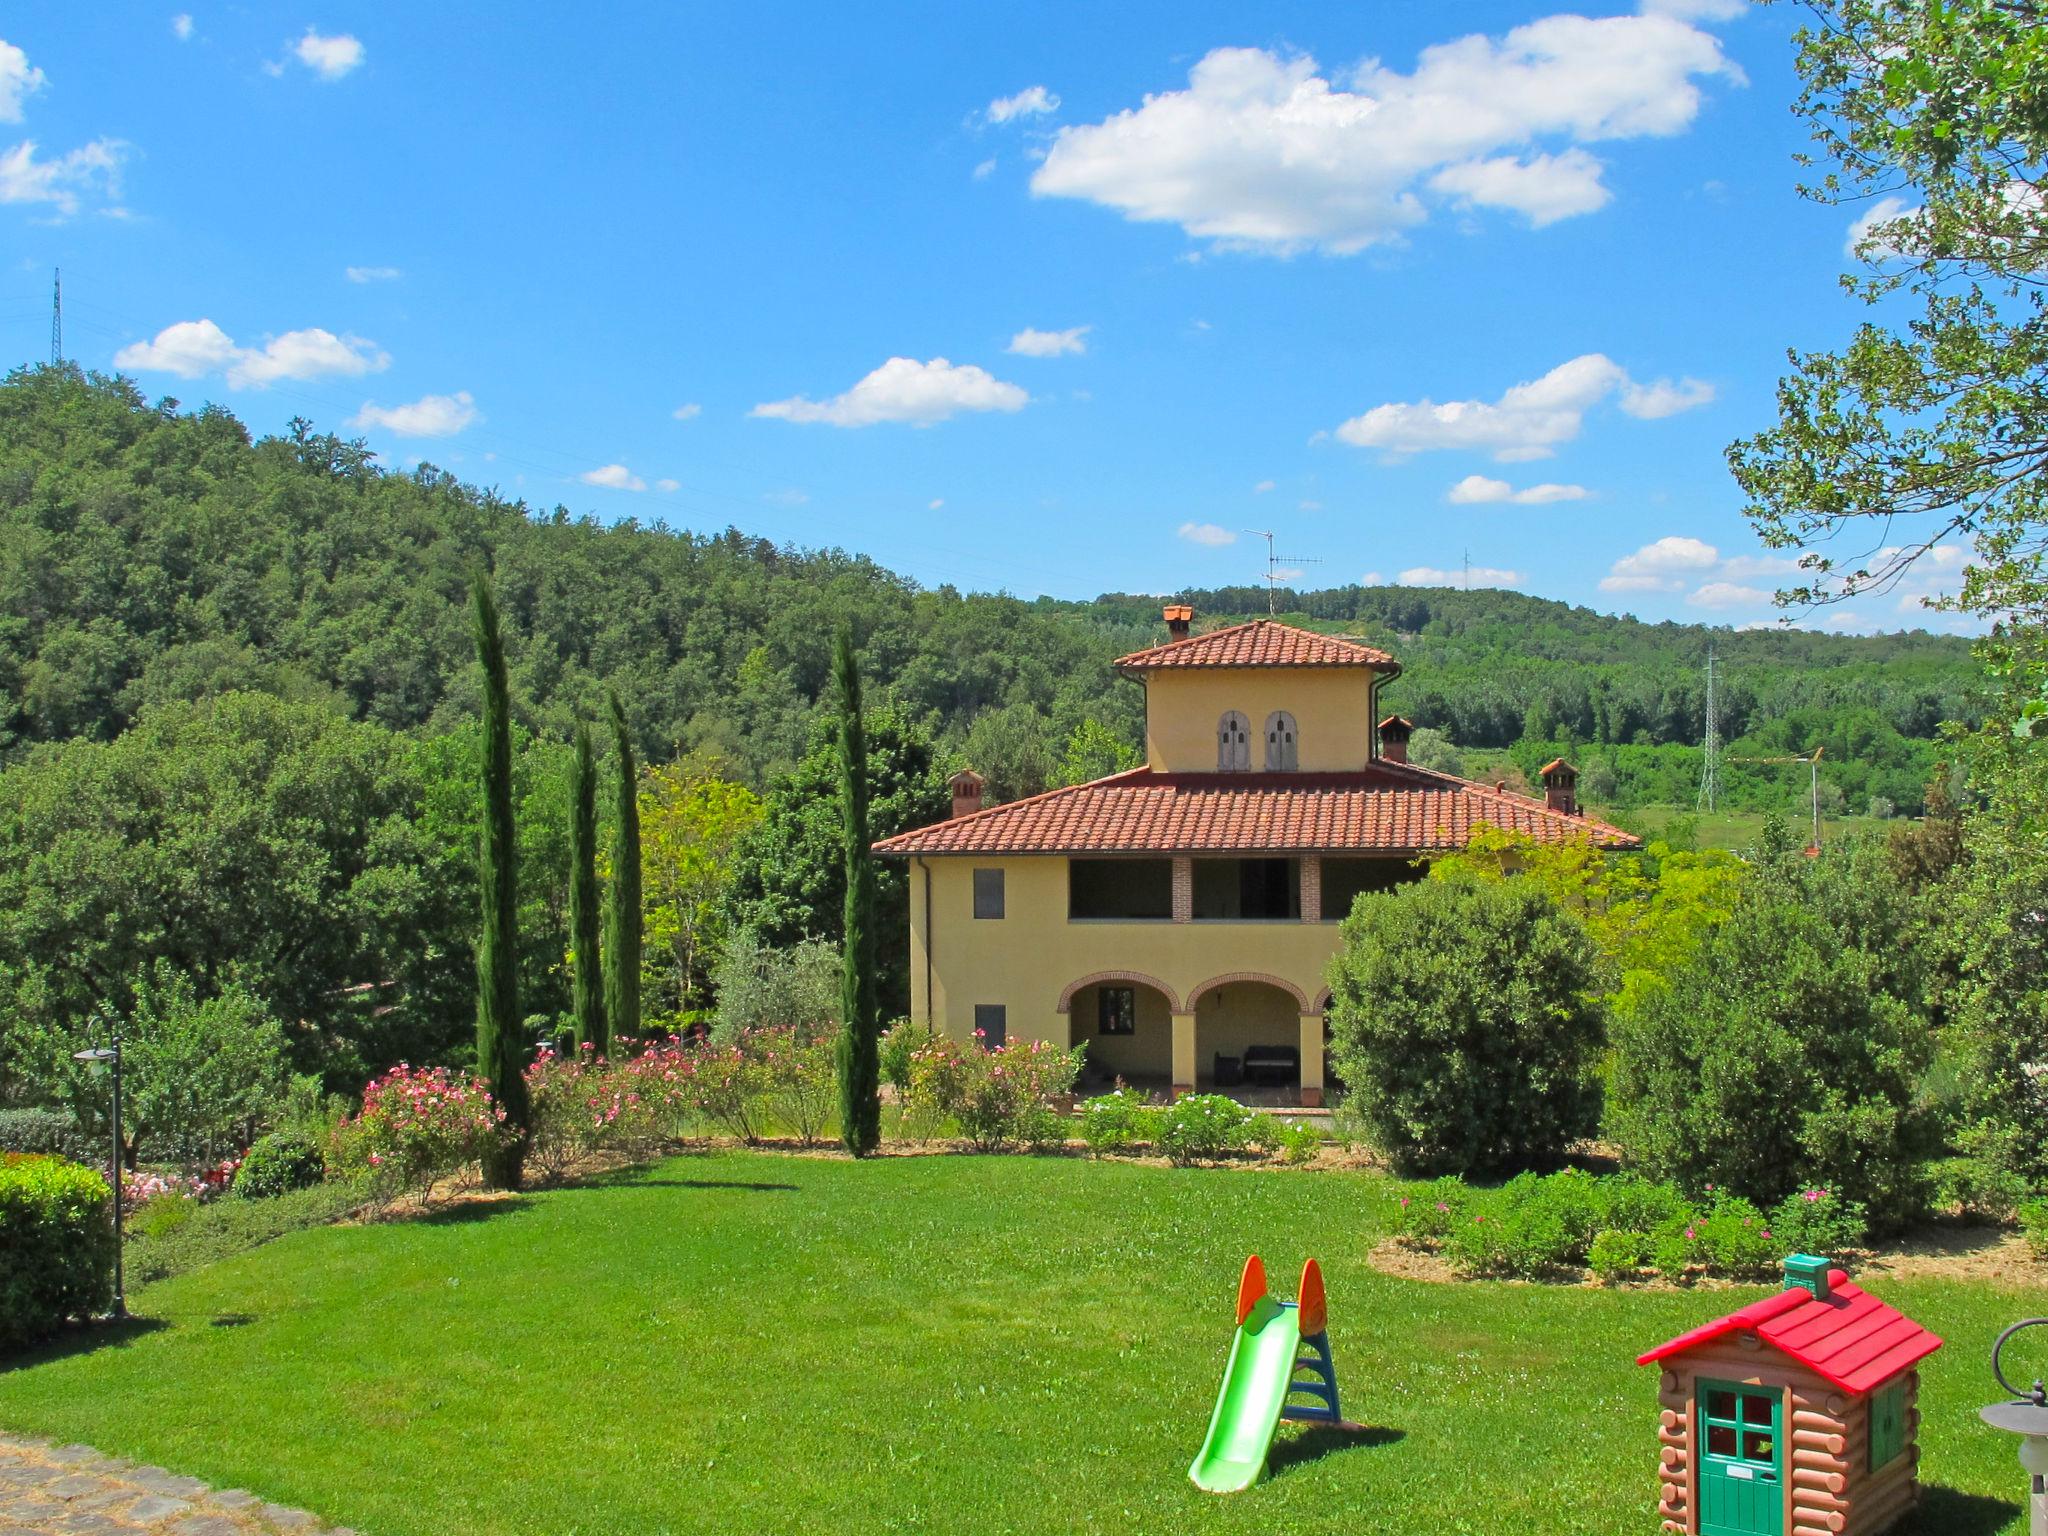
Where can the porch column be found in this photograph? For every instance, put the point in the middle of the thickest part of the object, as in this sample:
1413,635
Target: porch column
1184,1054
1311,889
1311,1060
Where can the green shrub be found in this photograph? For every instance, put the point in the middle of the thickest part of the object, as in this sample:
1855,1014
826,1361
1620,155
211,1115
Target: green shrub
1618,1255
1292,1141
1117,1122
223,1228
1636,1204
279,1163
1462,1016
1510,1233
900,1042
56,1246
2033,1216
1202,1127
161,1215
51,1133
1817,1221
997,1096
1735,1240
1675,1246
1427,1212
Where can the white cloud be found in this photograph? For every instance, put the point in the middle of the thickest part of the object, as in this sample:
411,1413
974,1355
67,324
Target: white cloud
1727,594
1370,579
328,57
1032,101
986,169
1207,533
1696,10
689,412
1883,211
792,497
18,79
1262,487
1527,422
935,503
1478,576
668,485
1310,506
903,389
428,416
613,477
181,27
372,274
1030,343
1265,151
1665,397
62,181
1477,489
1663,566
193,348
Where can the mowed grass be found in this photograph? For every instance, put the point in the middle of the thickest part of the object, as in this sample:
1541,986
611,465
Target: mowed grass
752,1343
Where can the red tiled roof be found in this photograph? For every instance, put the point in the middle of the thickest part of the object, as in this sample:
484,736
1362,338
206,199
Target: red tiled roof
1259,643
1851,1338
1390,808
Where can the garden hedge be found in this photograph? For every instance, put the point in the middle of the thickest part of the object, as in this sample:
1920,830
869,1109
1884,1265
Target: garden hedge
56,1246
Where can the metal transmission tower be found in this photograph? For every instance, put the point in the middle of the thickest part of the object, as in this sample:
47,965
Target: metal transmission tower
1710,759
1273,565
57,319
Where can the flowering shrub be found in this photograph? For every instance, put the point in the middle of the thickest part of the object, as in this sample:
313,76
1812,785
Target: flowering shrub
801,1076
138,1189
1118,1121
1818,1221
731,1089
1615,1256
558,1113
1292,1141
1202,1126
418,1125
998,1097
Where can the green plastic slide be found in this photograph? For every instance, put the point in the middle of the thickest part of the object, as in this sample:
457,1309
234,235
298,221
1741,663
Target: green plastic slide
1248,1406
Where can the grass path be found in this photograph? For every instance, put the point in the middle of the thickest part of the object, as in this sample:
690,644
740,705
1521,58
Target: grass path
747,1343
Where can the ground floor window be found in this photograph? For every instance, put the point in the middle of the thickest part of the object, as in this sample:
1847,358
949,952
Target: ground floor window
1116,1011
992,1024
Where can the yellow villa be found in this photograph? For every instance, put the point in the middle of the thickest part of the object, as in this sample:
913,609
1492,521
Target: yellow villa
1177,918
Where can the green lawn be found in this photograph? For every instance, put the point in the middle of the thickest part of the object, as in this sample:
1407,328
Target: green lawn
750,1343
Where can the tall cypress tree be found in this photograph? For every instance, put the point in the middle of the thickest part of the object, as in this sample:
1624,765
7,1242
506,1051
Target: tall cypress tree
498,1053
585,934
860,1104
622,912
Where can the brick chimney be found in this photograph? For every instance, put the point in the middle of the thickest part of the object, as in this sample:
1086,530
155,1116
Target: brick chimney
1561,786
967,786
1394,734
1180,618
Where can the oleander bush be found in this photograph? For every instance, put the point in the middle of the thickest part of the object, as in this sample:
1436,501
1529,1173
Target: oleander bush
278,1164
998,1098
417,1126
900,1041
56,1245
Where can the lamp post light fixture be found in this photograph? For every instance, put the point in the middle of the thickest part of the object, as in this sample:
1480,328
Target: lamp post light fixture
112,1058
2026,1415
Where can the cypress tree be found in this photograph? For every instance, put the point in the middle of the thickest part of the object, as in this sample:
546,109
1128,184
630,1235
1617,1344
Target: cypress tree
622,912
860,1104
584,922
498,1053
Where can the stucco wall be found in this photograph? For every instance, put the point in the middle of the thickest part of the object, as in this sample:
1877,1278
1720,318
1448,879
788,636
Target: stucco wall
1332,709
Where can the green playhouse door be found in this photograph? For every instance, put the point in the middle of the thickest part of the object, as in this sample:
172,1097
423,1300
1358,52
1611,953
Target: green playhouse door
1741,1487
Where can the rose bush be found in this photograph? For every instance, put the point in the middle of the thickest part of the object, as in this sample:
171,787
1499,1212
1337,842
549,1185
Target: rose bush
417,1126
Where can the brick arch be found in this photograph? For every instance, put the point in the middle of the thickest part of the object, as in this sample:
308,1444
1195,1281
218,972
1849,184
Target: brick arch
1097,977
1300,997
1322,1002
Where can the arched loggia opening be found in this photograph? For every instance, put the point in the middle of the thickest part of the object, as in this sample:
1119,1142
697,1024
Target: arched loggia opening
1249,1038
1125,1019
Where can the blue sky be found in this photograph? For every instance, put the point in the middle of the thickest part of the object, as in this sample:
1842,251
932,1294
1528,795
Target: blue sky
1043,298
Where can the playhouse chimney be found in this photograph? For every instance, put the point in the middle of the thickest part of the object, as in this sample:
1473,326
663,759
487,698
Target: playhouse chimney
1394,733
1561,786
967,786
1180,618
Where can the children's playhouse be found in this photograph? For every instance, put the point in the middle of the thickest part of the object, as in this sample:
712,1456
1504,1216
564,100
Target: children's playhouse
1794,1416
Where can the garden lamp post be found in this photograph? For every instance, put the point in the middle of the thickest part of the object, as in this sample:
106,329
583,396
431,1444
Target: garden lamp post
112,1058
2025,1414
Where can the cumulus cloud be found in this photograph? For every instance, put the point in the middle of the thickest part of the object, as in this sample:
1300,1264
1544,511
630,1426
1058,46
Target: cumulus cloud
904,390
1665,397
1864,244
689,412
1478,576
64,181
1266,151
181,27
372,274
19,79
1262,487
1031,343
1696,10
613,477
1032,101
428,416
1527,422
1475,490
666,485
328,57
192,349
1663,566
1727,594
1207,533
985,169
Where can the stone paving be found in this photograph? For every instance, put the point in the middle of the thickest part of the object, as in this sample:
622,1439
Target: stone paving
72,1490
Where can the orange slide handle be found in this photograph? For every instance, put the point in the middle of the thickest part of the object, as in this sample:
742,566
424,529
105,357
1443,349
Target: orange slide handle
1250,1287
1314,1310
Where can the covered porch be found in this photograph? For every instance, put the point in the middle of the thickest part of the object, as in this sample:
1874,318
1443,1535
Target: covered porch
1256,1037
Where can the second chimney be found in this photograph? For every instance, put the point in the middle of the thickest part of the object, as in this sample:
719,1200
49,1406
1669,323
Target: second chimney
1180,619
1394,734
1561,786
967,786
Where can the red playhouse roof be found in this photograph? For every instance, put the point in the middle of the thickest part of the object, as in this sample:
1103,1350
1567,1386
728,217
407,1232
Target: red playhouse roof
1390,808
1259,643
1849,1336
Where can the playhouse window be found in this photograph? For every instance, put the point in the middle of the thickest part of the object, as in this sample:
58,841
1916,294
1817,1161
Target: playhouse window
1116,1011
1740,1424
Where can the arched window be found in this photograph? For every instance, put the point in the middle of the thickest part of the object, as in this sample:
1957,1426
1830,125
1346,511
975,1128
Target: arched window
1233,743
1280,754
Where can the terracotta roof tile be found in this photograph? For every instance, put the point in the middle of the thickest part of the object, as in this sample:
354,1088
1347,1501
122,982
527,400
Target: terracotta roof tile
1853,1339
1390,808
1259,643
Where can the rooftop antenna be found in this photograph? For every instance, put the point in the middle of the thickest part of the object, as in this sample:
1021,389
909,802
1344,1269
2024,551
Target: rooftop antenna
57,319
1273,564
1710,757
